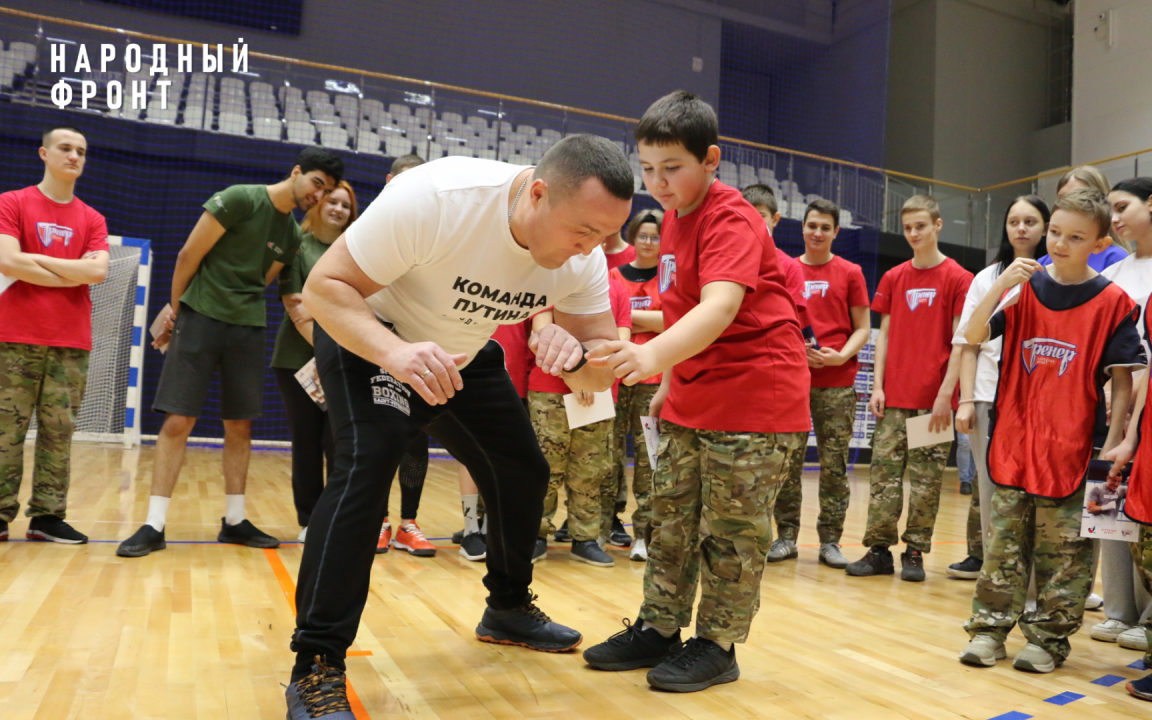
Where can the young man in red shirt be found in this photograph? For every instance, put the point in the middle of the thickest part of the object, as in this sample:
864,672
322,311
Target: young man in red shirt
920,302
733,407
837,298
52,247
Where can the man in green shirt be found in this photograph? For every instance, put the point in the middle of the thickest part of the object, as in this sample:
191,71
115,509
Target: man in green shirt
245,235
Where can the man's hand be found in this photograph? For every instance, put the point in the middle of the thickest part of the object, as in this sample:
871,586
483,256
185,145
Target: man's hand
1120,456
556,349
966,419
941,415
630,362
165,336
585,398
297,313
427,369
876,403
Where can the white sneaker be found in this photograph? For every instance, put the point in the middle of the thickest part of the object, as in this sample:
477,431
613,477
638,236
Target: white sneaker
1134,639
1109,630
639,551
1094,602
1034,658
303,532
983,650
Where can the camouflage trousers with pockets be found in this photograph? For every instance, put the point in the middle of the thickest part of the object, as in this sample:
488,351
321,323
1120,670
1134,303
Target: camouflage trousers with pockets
631,405
975,530
50,382
579,459
712,501
833,418
890,456
1142,556
1033,534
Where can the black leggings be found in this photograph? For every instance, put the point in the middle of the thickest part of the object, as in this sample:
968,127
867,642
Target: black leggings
374,418
311,444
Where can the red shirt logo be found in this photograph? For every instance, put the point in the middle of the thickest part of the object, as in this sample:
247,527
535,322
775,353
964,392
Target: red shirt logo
1047,351
920,296
667,272
811,287
48,232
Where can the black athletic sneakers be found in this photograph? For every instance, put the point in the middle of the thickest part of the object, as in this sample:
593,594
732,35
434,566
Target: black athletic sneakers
3,531
457,537
474,547
526,626
540,550
245,533
912,566
589,551
698,664
143,541
619,536
966,569
562,534
49,528
631,648
1141,688
321,693
965,488
877,561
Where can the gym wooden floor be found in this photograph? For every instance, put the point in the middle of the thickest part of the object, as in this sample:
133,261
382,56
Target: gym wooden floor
201,630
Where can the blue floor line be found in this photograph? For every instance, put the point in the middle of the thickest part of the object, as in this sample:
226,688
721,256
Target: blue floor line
1064,698
1108,680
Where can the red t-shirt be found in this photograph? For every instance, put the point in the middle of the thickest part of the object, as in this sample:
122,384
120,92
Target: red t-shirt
922,304
794,282
832,290
518,359
38,315
644,295
754,377
540,381
625,256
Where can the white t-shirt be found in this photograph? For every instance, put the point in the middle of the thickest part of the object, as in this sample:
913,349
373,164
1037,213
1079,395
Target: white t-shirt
988,362
1134,276
438,238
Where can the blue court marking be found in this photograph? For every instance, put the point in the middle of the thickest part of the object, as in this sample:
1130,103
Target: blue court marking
1012,716
1064,698
1108,680
1138,665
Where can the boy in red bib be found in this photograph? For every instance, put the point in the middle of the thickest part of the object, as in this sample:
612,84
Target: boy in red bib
1065,330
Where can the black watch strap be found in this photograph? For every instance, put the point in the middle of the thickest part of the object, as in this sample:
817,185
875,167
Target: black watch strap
583,359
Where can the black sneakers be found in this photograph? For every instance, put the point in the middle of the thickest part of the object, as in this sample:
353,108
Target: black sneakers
49,528
912,566
143,541
619,536
589,551
877,561
540,550
631,648
562,534
3,531
245,533
321,693
457,537
698,664
474,547
526,626
965,488
966,569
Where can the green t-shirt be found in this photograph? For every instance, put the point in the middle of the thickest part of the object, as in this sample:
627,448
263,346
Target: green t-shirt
229,286
292,351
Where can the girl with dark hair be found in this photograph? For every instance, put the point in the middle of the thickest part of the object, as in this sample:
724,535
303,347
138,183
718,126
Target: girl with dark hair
1025,225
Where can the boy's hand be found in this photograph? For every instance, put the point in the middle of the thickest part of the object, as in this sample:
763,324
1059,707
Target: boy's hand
966,419
830,357
657,404
815,360
941,414
630,362
876,404
1120,456
1020,271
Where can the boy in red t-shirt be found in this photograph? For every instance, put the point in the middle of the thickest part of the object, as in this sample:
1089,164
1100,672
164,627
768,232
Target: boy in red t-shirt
733,407
52,247
837,298
919,302
580,458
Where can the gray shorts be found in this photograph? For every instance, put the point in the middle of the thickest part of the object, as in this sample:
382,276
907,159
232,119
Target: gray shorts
199,346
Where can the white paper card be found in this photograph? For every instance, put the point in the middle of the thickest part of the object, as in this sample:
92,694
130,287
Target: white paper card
309,379
5,282
920,436
578,416
1103,517
157,327
651,427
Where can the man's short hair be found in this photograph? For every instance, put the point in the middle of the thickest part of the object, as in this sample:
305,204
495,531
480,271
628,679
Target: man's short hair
918,203
760,194
406,162
48,133
680,117
570,162
1089,203
824,207
326,161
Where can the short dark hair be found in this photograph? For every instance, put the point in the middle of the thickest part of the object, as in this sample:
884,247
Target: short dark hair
573,160
326,161
406,162
1091,204
48,132
680,117
760,194
824,207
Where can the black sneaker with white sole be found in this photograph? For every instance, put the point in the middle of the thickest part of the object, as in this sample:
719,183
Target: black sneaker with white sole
245,533
562,534
697,665
526,626
631,648
877,561
457,537
49,528
966,569
589,551
143,542
912,565
474,547
540,550
619,536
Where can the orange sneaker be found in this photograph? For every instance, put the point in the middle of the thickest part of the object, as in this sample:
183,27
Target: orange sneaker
410,538
385,538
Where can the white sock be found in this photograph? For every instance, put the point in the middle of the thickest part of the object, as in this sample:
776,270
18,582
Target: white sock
157,512
234,509
470,504
663,631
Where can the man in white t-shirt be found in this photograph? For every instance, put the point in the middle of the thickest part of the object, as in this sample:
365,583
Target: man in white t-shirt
446,253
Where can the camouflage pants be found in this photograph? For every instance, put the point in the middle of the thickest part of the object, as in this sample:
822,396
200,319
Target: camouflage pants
1033,534
632,403
833,418
712,501
890,455
580,459
975,531
1142,556
49,381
